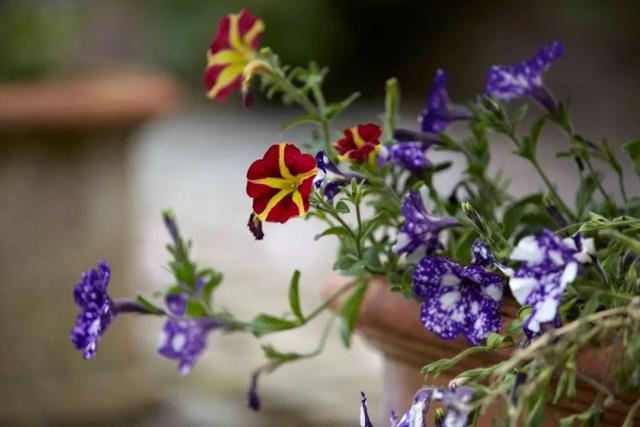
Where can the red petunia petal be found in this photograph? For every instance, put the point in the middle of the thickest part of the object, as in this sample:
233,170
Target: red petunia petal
260,203
284,210
305,188
370,132
245,23
344,145
296,161
221,41
268,166
362,154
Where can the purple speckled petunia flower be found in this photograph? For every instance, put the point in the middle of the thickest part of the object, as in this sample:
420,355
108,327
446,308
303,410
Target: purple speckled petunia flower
407,155
415,416
458,300
457,401
457,408
97,309
420,230
334,177
438,111
185,340
547,265
481,255
525,78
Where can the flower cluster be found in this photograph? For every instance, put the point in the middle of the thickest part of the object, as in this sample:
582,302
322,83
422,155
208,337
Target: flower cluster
394,218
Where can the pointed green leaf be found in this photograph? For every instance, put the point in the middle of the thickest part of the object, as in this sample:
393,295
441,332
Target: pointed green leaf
349,311
294,296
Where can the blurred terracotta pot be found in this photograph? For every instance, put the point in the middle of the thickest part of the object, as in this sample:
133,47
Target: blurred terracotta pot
391,324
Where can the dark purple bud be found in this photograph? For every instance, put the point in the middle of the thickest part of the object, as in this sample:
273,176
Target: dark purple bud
253,401
255,226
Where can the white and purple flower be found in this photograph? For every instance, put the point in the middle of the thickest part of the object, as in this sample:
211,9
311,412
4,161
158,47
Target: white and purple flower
407,155
421,230
456,414
185,338
438,111
97,309
333,177
458,300
525,78
547,265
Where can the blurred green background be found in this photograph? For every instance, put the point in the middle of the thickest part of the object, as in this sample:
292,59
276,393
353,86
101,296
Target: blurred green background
363,41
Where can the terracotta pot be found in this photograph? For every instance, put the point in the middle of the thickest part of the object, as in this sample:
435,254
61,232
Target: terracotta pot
391,324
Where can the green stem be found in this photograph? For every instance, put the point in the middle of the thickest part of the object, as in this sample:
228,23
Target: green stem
329,301
606,196
359,235
322,112
552,190
296,93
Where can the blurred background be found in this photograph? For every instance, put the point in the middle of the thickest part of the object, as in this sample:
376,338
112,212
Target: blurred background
103,123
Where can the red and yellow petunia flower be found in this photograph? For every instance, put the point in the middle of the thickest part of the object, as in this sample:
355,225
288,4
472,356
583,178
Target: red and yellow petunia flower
360,144
280,183
231,52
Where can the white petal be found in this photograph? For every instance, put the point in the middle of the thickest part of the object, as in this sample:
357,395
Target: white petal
569,274
547,311
528,250
449,299
494,292
521,287
449,280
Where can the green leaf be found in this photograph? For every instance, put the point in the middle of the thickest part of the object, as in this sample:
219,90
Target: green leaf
149,307
611,157
633,150
537,411
585,193
272,354
342,207
306,118
294,296
370,226
195,308
344,262
536,129
520,113
625,240
212,281
349,311
265,324
391,101
337,108
333,231
494,340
